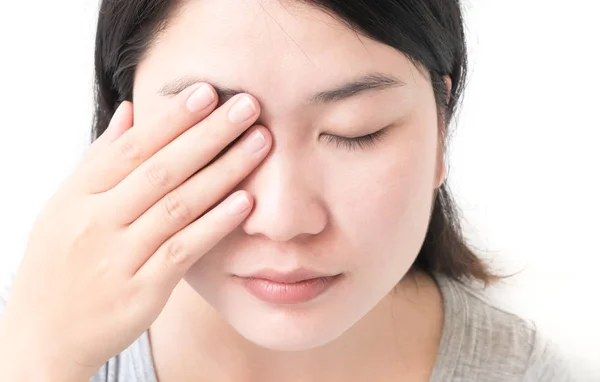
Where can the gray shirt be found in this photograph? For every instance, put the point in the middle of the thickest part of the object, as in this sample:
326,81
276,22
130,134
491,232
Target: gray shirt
480,343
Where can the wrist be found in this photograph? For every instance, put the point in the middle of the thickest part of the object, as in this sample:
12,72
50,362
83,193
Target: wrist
21,360
17,368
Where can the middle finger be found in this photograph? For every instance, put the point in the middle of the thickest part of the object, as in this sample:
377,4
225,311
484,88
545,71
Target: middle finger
180,159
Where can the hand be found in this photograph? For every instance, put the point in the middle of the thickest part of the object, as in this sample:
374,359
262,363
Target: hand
144,204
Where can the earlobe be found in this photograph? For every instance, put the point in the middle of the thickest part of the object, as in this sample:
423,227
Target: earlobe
448,83
441,165
441,162
442,173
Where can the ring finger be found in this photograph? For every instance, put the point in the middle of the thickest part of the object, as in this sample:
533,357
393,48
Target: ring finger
200,193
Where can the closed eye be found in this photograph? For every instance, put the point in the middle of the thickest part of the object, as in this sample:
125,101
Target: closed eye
362,143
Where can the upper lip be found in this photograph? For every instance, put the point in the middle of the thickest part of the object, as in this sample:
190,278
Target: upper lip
288,277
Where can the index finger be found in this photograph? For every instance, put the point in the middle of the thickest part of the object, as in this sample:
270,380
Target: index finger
140,142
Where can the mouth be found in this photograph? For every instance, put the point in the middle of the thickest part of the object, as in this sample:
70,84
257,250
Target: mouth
295,287
288,277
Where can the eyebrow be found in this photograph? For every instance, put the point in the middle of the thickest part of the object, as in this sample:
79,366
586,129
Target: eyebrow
371,81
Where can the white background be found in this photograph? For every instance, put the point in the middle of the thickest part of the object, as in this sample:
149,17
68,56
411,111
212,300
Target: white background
524,162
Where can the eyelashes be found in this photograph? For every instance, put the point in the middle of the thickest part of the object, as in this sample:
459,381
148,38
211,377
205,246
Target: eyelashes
361,143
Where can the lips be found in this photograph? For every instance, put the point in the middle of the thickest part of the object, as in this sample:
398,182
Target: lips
290,277
294,287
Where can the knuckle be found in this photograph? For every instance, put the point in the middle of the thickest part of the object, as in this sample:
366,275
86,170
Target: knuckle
83,235
176,252
158,176
174,208
129,150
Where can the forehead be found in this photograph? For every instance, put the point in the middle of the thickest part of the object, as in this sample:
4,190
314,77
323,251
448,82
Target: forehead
270,48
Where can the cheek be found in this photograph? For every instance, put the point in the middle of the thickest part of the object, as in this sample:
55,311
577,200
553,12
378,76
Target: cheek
384,210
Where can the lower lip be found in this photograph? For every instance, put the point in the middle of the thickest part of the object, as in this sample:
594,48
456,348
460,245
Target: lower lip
282,293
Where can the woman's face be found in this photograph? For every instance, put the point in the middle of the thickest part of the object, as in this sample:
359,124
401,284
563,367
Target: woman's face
357,211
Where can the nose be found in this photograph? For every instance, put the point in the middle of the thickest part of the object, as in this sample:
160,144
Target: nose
288,199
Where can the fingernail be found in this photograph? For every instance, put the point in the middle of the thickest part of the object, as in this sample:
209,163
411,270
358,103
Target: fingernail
242,110
254,142
200,99
239,204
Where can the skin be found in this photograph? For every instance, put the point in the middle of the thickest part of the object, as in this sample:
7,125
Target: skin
362,212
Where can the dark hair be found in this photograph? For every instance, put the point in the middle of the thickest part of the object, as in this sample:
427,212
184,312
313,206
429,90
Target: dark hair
429,32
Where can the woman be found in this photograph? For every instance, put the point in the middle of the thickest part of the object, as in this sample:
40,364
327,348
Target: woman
277,212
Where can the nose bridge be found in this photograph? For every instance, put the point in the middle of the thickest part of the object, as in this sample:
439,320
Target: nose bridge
287,199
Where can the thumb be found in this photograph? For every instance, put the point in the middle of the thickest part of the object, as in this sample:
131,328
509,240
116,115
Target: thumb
121,121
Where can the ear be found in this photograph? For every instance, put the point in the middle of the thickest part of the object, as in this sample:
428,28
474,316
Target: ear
441,164
448,83
441,167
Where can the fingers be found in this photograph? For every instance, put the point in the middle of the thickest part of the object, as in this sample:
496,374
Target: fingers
121,121
198,194
172,260
136,145
179,160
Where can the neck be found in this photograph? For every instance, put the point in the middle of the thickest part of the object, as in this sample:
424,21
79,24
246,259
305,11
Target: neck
399,338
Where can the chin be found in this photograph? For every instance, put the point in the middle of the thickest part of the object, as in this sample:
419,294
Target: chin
288,330
293,327
284,327
303,322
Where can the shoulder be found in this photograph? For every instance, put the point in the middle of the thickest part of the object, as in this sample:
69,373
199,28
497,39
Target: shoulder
547,362
486,343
